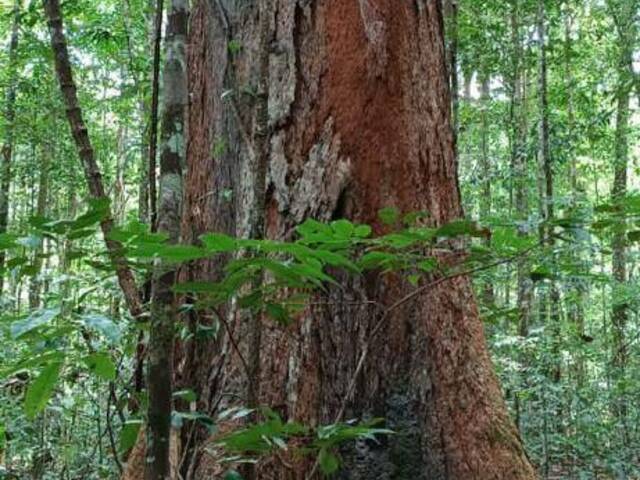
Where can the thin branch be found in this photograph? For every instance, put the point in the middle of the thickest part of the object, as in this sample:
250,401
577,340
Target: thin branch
385,316
236,348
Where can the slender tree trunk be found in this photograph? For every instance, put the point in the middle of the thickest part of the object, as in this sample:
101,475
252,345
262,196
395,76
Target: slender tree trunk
143,107
576,305
9,118
520,171
163,306
620,308
549,301
35,286
153,120
352,83
487,172
80,135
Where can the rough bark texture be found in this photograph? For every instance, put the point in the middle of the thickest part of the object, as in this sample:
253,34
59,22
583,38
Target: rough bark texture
80,135
359,111
163,305
451,22
9,119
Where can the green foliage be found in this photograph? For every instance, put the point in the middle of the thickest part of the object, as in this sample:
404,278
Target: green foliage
41,390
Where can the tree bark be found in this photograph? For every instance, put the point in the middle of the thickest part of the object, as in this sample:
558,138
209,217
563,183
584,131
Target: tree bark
153,120
623,14
9,118
520,170
359,111
163,305
35,286
451,22
81,138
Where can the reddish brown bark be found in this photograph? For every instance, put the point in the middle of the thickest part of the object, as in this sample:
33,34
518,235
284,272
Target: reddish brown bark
360,115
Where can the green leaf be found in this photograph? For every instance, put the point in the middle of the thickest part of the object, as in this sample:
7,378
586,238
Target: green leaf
343,228
180,253
232,475
33,321
373,260
40,391
98,210
634,236
362,231
186,395
328,461
389,215
129,434
101,365
7,241
104,325
216,242
278,312
459,228
31,241
177,419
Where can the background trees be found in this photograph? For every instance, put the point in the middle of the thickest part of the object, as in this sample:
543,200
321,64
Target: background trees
549,167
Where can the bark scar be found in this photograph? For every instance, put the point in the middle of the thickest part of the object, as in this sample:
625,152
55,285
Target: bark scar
318,188
376,31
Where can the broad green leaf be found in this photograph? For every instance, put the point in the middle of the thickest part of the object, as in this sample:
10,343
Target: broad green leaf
31,361
459,228
104,325
41,390
634,236
129,434
328,461
362,231
7,241
33,321
102,365
389,215
278,313
180,253
216,242
343,228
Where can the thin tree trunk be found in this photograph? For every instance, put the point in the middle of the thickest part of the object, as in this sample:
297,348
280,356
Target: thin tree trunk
143,186
80,134
163,307
520,174
487,172
41,211
9,118
620,308
153,120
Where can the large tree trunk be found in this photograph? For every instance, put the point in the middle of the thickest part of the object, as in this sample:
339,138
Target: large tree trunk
359,116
